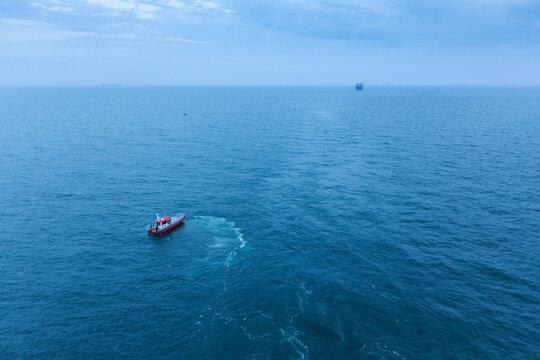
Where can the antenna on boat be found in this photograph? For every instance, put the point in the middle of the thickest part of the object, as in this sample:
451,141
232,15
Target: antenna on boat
157,216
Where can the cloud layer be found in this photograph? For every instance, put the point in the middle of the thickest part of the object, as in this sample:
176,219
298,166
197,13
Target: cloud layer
398,20
263,41
17,30
151,9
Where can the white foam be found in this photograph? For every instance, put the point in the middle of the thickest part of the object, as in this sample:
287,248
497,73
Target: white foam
241,238
230,258
227,238
303,286
220,227
300,301
296,343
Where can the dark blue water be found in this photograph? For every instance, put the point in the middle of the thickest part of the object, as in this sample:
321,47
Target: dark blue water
393,223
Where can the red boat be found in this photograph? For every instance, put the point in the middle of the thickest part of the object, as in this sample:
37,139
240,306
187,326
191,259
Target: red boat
165,223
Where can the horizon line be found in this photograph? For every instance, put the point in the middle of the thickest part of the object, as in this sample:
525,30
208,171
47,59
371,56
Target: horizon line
116,85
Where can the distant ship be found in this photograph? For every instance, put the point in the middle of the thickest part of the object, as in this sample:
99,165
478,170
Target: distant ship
359,86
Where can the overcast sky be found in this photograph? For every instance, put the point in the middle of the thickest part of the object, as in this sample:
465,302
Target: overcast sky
270,42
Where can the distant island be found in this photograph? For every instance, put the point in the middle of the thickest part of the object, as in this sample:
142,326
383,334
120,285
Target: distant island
111,84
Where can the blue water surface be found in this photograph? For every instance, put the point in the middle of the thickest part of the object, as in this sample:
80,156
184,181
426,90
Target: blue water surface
322,223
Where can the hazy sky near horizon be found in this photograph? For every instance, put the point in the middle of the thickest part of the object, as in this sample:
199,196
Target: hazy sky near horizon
263,42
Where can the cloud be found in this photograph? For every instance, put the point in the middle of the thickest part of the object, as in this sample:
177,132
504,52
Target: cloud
320,18
182,40
392,20
21,30
495,2
146,11
175,4
129,7
206,4
380,7
118,5
397,21
164,39
128,36
197,6
149,9
53,8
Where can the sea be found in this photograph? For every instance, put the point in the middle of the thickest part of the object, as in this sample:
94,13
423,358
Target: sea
321,223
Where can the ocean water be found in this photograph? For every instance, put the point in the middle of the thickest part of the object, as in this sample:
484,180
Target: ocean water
322,223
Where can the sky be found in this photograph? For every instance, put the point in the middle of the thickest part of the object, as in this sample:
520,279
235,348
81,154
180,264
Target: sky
270,42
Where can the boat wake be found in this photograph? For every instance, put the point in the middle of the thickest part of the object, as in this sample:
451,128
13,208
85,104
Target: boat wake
227,238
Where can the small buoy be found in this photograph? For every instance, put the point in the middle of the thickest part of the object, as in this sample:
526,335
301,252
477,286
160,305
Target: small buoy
185,113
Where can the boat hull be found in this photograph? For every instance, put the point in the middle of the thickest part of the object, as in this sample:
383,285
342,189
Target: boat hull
172,226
